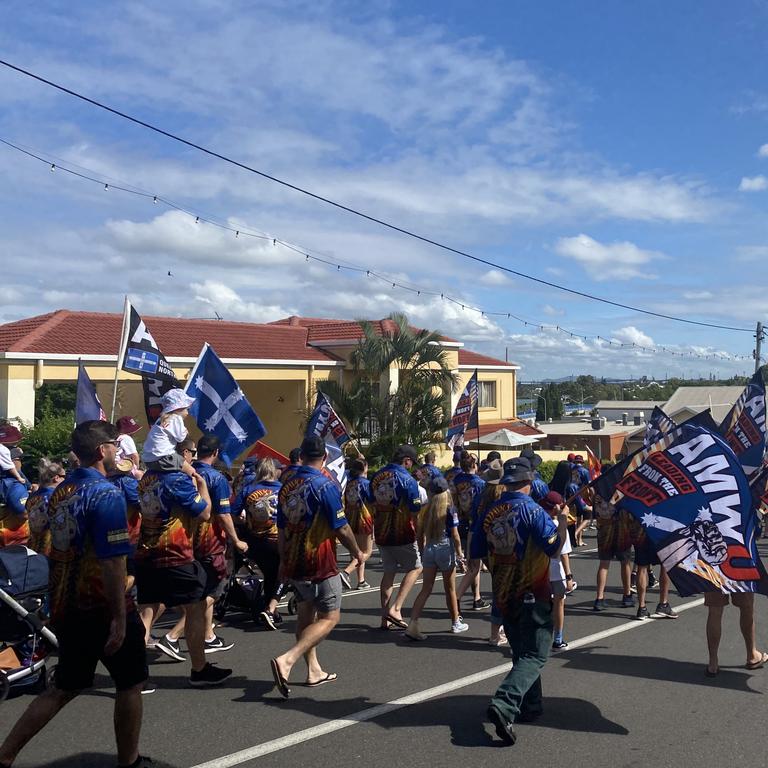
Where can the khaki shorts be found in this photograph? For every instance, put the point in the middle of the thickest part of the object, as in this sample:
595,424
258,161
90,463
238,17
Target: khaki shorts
324,595
400,559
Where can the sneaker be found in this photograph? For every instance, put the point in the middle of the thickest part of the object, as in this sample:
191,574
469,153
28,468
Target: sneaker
651,579
642,613
148,687
169,648
345,582
210,674
633,582
498,642
457,627
480,605
414,635
504,730
600,605
558,645
664,611
270,619
217,644
363,585
628,601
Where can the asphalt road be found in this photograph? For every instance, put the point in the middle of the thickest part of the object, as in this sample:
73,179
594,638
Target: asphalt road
625,693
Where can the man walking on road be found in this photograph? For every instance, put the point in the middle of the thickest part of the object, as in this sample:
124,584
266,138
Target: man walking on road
310,515
520,538
92,614
396,501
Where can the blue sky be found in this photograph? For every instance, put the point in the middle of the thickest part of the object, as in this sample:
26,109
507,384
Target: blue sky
611,147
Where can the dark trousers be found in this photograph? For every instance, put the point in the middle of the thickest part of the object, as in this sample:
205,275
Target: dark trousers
529,631
263,552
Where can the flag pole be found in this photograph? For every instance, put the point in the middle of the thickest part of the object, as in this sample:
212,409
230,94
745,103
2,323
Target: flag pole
123,342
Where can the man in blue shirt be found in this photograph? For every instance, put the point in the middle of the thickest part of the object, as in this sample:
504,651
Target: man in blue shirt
310,517
93,616
520,538
396,502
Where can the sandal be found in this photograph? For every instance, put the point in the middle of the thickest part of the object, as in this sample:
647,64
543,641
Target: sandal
404,625
759,664
280,682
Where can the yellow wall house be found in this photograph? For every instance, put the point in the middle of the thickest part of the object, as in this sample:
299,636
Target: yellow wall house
276,364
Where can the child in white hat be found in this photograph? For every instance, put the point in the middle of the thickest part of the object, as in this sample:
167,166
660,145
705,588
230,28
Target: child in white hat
159,452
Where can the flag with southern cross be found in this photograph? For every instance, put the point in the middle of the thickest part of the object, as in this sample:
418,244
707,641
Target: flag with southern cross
691,496
744,426
465,415
221,408
140,353
325,423
658,425
87,406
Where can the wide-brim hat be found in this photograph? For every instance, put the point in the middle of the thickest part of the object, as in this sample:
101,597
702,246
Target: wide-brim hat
533,457
9,434
494,472
127,425
124,465
175,400
551,500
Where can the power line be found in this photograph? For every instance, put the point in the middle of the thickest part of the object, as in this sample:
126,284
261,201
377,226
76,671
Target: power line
342,265
361,214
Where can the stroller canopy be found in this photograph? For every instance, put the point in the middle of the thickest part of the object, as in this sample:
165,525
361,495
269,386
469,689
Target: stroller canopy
22,571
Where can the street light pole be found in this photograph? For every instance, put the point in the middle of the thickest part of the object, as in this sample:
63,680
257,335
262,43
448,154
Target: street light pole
544,400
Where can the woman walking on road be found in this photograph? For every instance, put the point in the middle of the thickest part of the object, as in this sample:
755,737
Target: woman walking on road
437,533
357,498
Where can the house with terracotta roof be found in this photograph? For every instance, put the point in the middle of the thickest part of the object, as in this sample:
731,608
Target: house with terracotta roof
277,365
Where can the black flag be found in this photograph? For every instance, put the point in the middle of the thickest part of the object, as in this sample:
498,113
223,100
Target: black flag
141,355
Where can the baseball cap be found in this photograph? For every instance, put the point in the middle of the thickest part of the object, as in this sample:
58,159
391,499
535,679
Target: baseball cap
438,485
551,500
127,425
9,434
312,447
578,459
406,452
175,399
517,470
16,453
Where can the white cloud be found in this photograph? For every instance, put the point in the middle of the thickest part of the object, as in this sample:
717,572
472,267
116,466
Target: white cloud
753,184
495,277
551,311
697,295
631,335
763,151
752,252
607,261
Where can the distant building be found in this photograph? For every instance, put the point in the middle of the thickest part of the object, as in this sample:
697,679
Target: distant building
606,439
614,410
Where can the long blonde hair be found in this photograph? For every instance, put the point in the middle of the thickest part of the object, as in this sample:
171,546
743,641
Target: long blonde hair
432,518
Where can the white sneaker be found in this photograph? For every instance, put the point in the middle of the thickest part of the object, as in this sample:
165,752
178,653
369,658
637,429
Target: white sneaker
459,626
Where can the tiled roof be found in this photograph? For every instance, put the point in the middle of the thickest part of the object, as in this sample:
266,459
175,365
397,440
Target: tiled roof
467,357
513,425
98,333
326,329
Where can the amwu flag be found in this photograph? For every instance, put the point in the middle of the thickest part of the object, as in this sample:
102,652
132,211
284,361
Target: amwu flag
465,415
325,423
693,500
744,426
221,408
658,425
87,407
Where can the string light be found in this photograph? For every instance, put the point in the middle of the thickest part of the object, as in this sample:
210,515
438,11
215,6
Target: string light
156,199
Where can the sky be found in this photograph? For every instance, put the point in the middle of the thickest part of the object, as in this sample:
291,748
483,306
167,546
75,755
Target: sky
615,149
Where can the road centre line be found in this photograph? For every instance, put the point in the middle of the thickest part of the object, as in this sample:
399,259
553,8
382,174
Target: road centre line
307,734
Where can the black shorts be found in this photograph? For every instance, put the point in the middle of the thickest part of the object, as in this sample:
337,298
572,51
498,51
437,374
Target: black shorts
81,639
176,585
215,580
645,553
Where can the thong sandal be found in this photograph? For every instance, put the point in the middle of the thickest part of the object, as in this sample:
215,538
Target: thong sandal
329,678
759,664
404,625
709,673
280,682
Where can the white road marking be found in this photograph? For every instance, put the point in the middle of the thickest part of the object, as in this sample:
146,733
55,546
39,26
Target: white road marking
307,734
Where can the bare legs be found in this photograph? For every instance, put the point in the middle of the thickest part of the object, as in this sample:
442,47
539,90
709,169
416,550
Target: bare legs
385,591
365,543
716,603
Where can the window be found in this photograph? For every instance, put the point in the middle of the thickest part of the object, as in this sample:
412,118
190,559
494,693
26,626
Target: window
486,395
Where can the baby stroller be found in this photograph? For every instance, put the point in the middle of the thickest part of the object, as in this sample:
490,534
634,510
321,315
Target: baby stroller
24,641
245,591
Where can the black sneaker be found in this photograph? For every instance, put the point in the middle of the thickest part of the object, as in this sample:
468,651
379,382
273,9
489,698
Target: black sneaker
345,582
210,674
504,730
628,601
169,648
268,619
599,605
217,644
148,687
664,611
558,645
642,613
480,605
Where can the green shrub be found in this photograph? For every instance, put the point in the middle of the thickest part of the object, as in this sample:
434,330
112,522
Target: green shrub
547,470
50,437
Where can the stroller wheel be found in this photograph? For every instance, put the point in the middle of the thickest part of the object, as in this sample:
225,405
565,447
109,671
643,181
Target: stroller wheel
43,681
292,605
5,686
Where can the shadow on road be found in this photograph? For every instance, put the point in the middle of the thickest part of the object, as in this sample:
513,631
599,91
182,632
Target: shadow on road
87,760
653,668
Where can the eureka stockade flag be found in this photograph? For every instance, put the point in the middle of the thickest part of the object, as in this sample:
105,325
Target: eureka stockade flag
692,497
744,426
658,425
325,423
465,415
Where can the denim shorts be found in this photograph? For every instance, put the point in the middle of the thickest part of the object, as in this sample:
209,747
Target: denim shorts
440,555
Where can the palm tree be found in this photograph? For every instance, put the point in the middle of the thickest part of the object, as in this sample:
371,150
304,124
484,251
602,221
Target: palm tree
417,411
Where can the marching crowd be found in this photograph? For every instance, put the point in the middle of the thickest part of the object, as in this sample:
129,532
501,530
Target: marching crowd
129,536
